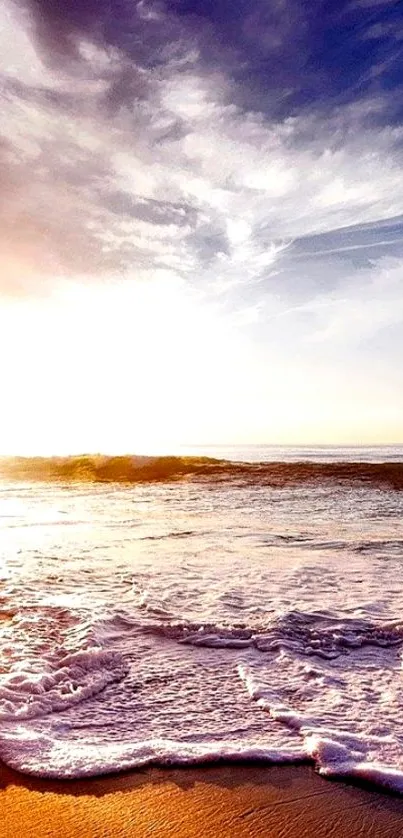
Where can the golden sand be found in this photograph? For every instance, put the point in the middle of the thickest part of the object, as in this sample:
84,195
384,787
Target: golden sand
234,801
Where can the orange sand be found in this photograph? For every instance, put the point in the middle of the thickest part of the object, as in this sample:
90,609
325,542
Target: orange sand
234,801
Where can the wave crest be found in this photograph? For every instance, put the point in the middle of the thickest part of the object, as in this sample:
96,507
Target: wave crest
28,694
298,632
137,469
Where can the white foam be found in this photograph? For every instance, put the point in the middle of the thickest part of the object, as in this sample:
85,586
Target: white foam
342,733
333,759
125,646
27,694
43,756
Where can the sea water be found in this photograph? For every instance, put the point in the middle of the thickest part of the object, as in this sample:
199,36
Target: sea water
192,620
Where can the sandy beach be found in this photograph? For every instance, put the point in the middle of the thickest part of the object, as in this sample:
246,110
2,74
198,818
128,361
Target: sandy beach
228,801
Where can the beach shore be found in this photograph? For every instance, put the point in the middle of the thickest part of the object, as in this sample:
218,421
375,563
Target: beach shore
227,801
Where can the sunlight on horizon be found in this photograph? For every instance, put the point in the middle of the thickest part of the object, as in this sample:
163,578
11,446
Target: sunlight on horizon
115,369
151,368
202,226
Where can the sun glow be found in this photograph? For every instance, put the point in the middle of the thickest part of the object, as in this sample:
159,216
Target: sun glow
152,367
126,367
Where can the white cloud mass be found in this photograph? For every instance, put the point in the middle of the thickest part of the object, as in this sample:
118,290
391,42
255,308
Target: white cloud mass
287,226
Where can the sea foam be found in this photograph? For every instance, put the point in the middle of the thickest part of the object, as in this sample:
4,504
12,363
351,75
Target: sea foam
199,621
27,694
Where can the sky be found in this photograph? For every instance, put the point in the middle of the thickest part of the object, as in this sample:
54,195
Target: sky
201,224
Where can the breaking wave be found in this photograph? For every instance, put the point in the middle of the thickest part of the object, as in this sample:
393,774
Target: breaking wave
136,469
29,693
185,624
299,632
63,716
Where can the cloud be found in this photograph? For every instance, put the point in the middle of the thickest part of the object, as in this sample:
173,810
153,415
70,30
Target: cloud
387,29
373,4
237,160
352,323
282,58
362,309
132,145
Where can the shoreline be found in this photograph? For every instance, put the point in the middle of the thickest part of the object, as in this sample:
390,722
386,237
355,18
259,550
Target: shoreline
227,800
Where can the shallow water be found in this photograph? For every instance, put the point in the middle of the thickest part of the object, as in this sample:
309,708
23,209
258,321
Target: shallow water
187,621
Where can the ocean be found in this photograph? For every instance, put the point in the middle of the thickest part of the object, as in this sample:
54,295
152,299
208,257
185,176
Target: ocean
234,612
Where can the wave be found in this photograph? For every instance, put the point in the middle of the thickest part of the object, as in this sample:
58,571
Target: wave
332,757
137,469
321,635
41,756
30,694
320,710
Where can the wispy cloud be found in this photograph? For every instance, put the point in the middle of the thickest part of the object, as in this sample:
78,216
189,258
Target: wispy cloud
128,150
177,178
247,154
359,310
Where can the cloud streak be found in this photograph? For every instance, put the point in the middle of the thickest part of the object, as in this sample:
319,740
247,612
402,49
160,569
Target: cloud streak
252,152
213,188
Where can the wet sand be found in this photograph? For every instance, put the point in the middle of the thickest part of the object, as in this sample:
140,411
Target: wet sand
228,801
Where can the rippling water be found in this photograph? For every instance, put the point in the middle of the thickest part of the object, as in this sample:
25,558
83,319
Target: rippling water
198,619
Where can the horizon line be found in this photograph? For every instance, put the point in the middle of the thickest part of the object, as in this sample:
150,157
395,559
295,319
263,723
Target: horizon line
179,450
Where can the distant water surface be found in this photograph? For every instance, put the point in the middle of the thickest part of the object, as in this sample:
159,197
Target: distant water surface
301,453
